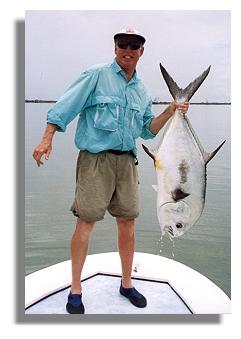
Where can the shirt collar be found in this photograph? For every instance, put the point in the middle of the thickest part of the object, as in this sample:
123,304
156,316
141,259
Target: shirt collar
118,69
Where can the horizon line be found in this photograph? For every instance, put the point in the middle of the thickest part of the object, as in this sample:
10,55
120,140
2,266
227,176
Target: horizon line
40,101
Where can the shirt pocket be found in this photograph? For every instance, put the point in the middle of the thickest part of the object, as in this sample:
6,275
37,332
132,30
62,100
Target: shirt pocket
106,115
136,123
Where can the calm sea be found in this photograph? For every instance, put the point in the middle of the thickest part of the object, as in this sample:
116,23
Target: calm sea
49,194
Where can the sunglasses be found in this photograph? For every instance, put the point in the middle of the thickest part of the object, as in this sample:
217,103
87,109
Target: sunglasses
125,44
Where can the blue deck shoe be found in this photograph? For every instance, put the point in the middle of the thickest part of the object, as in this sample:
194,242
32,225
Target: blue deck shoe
136,298
74,304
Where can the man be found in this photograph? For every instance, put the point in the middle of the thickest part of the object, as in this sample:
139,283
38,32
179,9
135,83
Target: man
114,109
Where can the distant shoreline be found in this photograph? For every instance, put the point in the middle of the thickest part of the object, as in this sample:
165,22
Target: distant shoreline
37,101
192,103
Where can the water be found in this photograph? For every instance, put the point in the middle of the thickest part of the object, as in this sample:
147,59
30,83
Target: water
49,193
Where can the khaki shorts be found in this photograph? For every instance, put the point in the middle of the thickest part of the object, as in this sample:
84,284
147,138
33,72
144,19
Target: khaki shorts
105,181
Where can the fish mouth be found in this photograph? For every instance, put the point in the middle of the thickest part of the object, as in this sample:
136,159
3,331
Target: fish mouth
170,231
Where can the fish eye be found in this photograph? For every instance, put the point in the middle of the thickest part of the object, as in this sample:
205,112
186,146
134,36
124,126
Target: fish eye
179,225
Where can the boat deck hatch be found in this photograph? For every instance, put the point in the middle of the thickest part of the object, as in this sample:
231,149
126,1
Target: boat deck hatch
101,296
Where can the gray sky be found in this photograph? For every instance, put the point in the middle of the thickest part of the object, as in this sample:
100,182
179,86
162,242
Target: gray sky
61,44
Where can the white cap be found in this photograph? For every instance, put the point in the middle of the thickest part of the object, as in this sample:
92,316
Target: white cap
129,31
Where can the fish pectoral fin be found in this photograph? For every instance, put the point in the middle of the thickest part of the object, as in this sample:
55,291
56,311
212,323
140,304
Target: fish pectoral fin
155,188
178,194
151,154
209,156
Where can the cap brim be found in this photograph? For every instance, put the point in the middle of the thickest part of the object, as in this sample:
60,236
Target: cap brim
120,35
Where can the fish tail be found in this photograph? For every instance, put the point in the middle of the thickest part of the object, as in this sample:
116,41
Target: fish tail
178,93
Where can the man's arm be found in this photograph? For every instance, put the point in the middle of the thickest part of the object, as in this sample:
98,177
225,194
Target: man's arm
45,146
158,122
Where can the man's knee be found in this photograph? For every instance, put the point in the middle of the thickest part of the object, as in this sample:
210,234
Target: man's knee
126,227
125,220
83,228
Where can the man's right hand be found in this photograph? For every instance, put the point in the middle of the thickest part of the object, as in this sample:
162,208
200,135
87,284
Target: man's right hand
45,147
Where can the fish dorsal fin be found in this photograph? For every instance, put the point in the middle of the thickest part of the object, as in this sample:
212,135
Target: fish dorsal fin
150,153
209,156
179,93
178,194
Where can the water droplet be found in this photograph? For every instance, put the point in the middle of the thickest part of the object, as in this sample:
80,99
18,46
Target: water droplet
173,248
160,244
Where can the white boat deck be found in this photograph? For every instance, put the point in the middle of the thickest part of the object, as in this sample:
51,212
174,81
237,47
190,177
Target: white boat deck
169,287
101,296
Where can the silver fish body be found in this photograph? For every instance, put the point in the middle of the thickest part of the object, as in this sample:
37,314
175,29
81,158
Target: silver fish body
181,178
180,164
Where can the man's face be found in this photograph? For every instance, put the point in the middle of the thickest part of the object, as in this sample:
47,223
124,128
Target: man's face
128,58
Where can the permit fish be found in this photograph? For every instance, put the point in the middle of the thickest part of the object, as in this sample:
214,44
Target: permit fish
181,165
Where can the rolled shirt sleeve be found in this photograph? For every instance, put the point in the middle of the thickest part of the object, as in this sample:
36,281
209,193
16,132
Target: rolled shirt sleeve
73,101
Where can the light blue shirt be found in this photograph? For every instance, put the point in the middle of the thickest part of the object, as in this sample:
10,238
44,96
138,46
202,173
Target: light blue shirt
113,112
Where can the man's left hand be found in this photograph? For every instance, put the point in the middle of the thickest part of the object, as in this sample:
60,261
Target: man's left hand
183,107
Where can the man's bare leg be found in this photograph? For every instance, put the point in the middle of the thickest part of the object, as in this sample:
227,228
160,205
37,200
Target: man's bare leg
126,242
79,250
126,245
